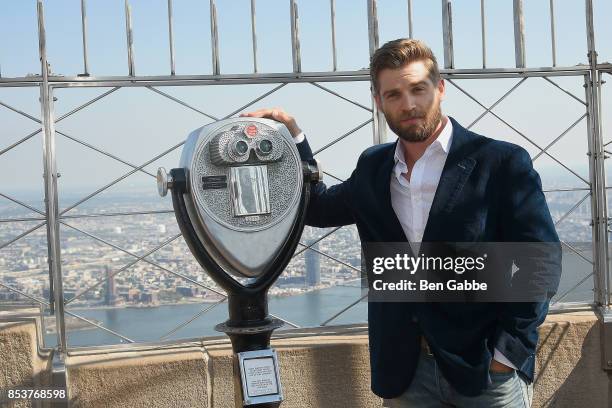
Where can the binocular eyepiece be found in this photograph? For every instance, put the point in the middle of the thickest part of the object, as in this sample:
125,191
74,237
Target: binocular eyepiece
246,143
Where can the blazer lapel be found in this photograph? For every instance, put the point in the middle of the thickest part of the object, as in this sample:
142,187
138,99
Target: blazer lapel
457,169
393,226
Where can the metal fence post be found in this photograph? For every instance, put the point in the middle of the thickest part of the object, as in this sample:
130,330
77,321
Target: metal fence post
296,53
379,124
410,25
254,35
171,38
129,36
214,38
483,33
598,174
84,37
50,179
595,201
598,199
519,34
447,34
332,10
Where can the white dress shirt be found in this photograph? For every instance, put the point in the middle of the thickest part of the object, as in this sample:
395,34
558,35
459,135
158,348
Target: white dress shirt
411,200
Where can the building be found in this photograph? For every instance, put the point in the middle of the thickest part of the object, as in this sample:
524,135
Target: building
313,266
110,294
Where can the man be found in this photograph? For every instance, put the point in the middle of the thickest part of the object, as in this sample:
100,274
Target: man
438,183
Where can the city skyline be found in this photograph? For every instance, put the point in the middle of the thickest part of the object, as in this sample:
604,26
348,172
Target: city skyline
86,261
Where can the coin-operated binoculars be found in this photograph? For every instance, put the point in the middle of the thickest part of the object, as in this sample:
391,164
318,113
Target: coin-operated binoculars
240,197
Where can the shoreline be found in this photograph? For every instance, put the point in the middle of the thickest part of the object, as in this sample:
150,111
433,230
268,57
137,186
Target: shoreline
194,302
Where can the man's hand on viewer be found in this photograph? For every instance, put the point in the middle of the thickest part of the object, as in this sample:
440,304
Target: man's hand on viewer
276,114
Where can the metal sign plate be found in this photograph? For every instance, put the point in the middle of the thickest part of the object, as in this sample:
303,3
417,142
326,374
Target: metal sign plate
259,377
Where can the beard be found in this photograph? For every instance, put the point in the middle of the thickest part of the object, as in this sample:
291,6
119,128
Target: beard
417,132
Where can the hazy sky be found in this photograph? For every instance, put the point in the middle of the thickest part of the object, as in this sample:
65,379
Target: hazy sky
136,124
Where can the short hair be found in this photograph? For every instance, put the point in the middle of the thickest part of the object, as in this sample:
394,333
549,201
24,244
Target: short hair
397,53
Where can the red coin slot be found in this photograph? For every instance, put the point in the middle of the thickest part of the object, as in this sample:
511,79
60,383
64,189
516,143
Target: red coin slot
251,130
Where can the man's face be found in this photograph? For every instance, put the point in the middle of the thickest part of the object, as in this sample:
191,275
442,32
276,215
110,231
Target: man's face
410,101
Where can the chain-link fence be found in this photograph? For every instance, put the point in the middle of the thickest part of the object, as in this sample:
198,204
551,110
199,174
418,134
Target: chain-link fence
94,244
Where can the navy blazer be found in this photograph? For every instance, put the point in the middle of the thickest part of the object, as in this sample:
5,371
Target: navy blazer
488,192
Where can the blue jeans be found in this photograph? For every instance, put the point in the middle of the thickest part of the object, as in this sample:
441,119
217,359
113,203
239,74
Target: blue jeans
430,389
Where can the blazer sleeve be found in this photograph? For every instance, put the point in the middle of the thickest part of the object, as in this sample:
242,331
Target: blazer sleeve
328,207
526,219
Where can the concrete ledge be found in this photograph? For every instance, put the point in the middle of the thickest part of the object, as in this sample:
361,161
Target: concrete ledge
159,378
22,363
318,369
568,365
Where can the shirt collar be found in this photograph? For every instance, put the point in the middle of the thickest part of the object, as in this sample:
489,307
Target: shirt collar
443,141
